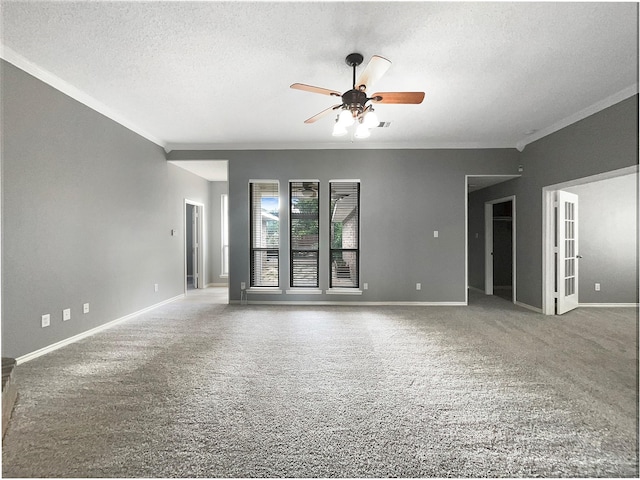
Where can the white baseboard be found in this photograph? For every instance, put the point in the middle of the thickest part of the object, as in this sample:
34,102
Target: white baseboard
528,307
354,304
608,305
93,331
209,285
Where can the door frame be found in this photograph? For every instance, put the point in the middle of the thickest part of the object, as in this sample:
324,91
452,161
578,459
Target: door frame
488,244
548,230
200,240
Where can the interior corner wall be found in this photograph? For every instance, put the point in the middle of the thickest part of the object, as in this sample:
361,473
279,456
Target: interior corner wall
406,195
216,189
87,212
605,141
608,240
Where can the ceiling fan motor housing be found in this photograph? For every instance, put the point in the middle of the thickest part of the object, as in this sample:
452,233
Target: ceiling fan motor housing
354,99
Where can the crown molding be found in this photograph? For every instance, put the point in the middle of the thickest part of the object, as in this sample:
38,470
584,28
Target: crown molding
576,117
355,145
65,87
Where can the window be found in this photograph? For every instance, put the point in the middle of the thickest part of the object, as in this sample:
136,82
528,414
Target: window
304,224
265,233
344,253
224,228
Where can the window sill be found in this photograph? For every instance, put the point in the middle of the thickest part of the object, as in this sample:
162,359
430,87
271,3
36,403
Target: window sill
304,291
344,291
264,290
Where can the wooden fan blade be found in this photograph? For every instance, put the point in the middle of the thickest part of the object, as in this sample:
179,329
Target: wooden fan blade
322,113
312,89
398,97
374,70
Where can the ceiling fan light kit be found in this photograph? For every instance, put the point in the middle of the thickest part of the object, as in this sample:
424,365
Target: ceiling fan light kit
355,107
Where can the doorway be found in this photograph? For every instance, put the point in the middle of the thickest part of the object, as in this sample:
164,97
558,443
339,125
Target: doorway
561,256
500,248
193,245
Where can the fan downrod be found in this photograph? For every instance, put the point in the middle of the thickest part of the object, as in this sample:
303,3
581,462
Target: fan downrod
354,59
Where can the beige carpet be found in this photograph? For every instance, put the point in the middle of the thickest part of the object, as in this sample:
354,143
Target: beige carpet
198,389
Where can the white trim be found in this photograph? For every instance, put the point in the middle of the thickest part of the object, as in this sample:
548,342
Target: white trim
214,285
422,145
264,290
67,341
201,242
548,194
548,260
528,307
224,226
576,117
355,303
343,291
466,238
304,291
607,305
65,87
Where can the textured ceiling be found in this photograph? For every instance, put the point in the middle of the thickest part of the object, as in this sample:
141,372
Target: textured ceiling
217,74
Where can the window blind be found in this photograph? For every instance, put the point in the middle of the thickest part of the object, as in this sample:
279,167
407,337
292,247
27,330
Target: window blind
265,234
304,222
344,239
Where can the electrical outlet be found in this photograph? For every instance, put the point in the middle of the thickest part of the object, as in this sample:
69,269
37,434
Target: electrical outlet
365,286
243,286
46,320
418,286
85,308
155,287
435,234
597,287
66,314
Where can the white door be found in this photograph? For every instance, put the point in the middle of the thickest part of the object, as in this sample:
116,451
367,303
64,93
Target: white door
196,246
567,252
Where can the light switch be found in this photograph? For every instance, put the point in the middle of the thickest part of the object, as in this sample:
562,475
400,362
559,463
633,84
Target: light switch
435,234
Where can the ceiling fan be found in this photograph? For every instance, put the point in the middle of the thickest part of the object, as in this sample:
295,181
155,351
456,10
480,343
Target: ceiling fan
356,106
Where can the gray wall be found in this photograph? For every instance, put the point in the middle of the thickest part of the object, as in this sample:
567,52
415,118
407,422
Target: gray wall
605,141
87,211
405,196
608,240
214,266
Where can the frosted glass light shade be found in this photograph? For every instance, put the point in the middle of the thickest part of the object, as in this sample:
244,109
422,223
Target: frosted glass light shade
371,119
339,130
345,118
